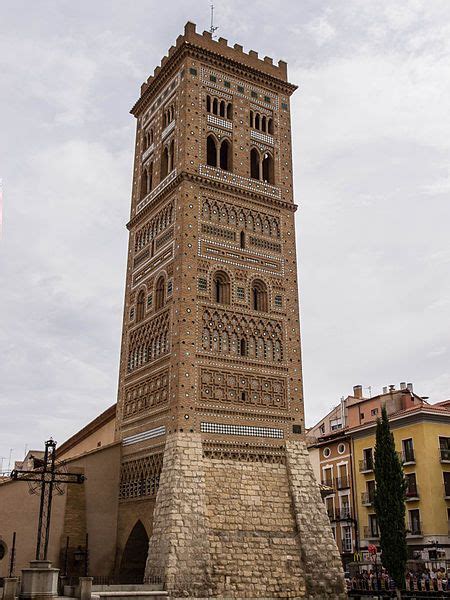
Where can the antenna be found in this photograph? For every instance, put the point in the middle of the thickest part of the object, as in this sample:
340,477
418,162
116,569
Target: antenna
212,29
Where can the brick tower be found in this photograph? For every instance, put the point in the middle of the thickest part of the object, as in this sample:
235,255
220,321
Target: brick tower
210,412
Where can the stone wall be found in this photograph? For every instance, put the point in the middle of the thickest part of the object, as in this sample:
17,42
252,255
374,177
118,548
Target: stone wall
178,547
321,560
252,532
226,528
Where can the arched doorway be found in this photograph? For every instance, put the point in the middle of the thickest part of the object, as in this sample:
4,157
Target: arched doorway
132,565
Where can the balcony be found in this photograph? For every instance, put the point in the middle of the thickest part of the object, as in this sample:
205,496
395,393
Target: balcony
412,493
342,514
170,127
342,483
407,457
370,534
365,466
415,530
367,498
445,455
147,152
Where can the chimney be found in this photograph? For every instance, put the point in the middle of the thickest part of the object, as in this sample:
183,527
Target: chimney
385,389
403,385
357,391
392,388
409,386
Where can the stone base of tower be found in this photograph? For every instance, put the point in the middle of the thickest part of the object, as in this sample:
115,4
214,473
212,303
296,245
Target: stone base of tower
252,526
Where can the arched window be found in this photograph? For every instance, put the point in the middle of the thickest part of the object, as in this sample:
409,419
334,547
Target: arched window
160,292
267,168
270,126
254,163
225,155
164,163
208,103
150,177
211,151
229,111
215,106
259,295
221,288
172,156
222,108
140,307
243,347
251,118
263,123
257,121
242,239
144,183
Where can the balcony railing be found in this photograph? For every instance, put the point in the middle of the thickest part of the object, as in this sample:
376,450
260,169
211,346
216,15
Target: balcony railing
343,514
445,454
370,533
407,456
415,530
367,498
412,493
342,483
327,482
365,466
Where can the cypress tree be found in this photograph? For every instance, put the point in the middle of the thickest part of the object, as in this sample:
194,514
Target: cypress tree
390,502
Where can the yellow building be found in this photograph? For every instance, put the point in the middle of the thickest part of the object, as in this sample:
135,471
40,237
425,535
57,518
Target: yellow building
422,437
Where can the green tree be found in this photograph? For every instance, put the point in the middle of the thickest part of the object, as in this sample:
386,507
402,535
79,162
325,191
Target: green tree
390,502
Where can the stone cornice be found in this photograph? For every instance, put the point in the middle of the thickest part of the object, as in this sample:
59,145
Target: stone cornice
217,185
213,58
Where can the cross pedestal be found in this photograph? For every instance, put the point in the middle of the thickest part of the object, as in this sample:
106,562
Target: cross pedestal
39,582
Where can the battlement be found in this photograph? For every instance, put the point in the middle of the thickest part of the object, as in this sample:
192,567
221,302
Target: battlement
235,53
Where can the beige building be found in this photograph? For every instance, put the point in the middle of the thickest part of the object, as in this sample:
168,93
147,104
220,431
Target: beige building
342,446
209,467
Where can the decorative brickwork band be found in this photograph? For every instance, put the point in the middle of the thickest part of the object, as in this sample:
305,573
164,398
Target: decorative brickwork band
322,563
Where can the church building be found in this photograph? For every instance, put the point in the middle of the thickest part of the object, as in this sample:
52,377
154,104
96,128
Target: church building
198,479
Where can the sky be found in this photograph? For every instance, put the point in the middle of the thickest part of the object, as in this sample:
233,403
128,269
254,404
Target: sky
371,138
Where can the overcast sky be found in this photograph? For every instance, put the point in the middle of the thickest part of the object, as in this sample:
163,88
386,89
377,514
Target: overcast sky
371,133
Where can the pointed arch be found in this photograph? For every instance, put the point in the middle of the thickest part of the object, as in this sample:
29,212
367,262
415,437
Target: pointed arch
229,111
267,168
144,183
242,239
215,106
263,123
221,288
257,121
259,295
164,163
270,126
172,156
208,103
254,163
134,557
251,118
211,151
225,155
222,108
140,306
160,292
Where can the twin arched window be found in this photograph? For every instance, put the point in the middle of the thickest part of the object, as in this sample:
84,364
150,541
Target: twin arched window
261,166
147,180
148,138
218,154
221,288
261,122
219,107
160,292
167,159
140,307
169,115
259,296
